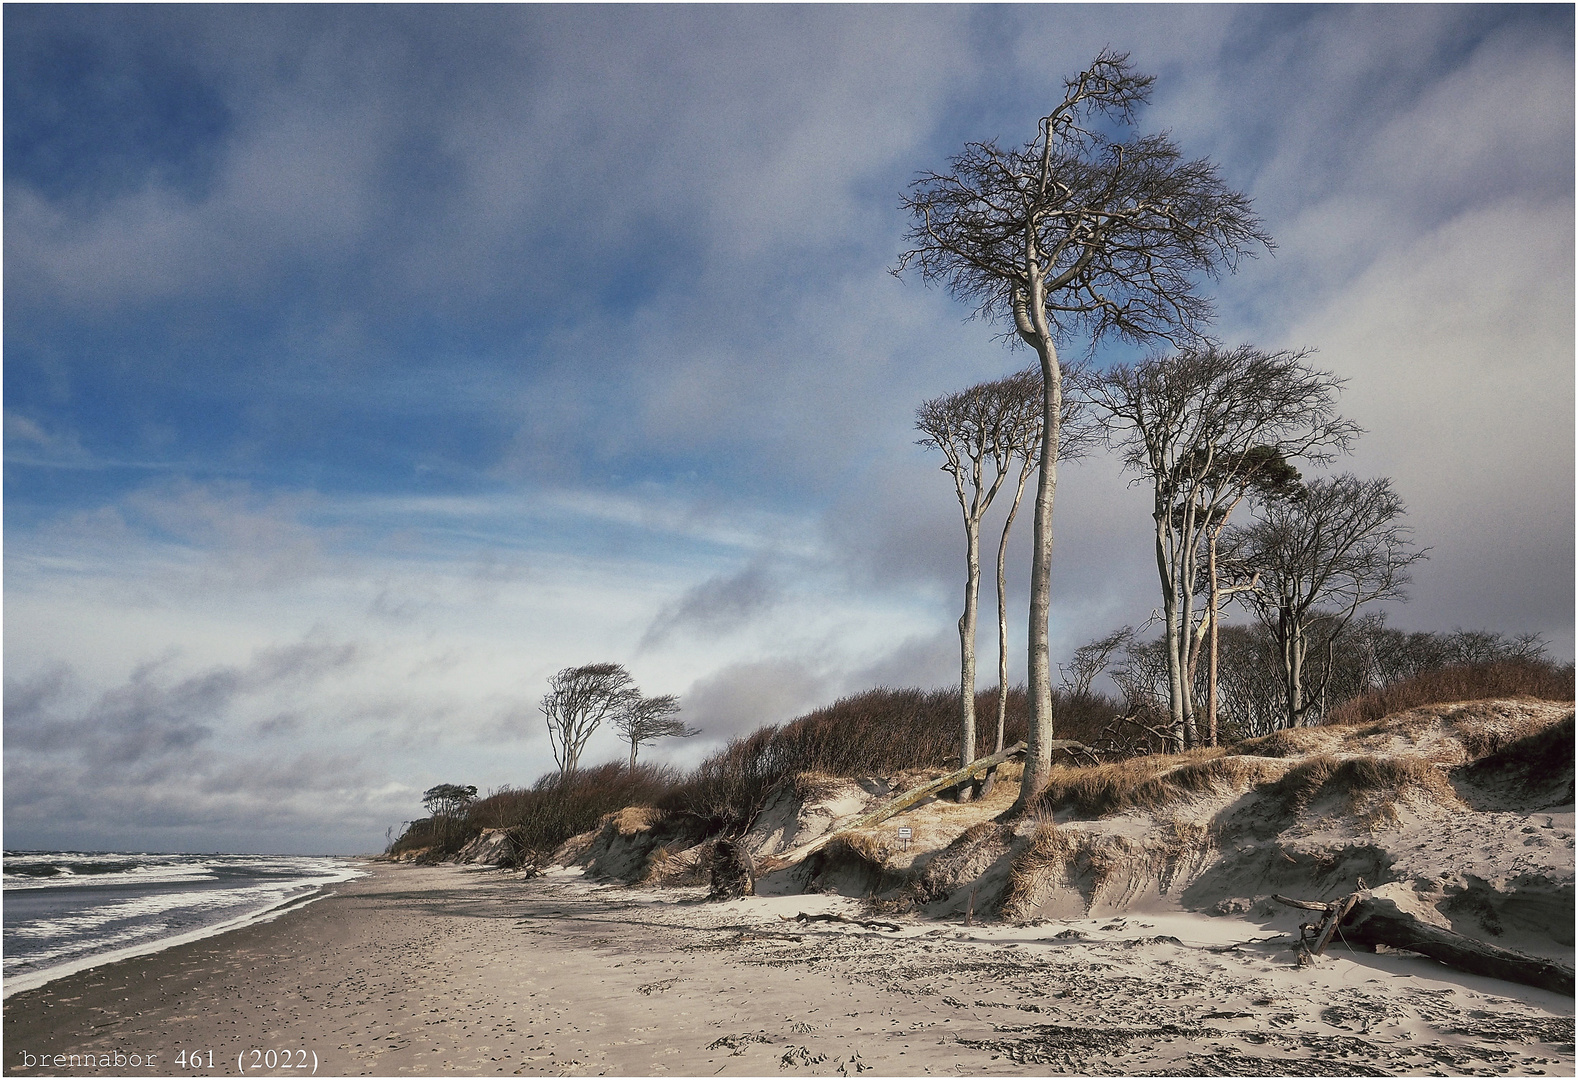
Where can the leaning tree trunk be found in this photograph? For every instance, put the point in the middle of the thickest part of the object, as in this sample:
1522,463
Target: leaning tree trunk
967,628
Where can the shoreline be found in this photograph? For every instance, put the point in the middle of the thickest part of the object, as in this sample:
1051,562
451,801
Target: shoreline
32,980
426,970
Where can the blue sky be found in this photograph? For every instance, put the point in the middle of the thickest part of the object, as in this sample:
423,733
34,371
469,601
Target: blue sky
366,365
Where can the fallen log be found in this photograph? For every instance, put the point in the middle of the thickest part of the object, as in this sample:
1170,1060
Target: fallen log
1363,919
1375,921
907,800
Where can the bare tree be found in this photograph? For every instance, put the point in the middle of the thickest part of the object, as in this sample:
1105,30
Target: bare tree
1080,232
578,700
1263,471
1206,427
1320,557
968,427
647,719
1093,658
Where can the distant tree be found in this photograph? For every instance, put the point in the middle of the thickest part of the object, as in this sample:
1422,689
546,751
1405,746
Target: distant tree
1369,655
1206,427
1092,659
969,427
648,719
1321,557
446,802
579,699
1263,471
1250,684
1079,231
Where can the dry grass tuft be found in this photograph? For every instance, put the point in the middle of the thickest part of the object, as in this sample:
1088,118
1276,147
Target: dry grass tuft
1151,782
813,786
864,846
1485,727
967,858
1369,788
1035,872
1289,742
629,820
1538,759
688,867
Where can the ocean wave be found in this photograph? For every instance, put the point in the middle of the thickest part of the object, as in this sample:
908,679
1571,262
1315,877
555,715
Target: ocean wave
67,910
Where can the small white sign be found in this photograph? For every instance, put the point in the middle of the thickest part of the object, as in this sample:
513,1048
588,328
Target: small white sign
905,832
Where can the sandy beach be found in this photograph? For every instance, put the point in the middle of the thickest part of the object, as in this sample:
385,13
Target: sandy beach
432,970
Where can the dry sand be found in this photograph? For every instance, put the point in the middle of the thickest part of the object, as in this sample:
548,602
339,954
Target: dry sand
431,970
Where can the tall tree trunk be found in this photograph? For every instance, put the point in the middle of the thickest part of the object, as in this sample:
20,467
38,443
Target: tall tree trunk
1188,643
1170,631
1038,750
1210,674
967,627
633,745
1002,624
1188,651
1292,667
1002,609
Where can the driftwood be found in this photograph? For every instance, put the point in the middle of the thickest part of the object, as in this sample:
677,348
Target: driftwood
907,800
1366,920
870,924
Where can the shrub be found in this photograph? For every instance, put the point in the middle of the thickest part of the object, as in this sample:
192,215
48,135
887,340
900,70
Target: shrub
552,810
877,732
1461,682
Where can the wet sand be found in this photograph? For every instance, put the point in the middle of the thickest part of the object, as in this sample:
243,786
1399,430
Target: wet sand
436,970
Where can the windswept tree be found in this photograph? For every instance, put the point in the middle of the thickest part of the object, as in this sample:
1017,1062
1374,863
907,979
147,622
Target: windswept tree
647,719
1091,660
446,802
1206,428
1089,229
579,699
1321,557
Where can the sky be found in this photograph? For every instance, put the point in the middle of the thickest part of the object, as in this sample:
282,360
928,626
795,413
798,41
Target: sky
364,366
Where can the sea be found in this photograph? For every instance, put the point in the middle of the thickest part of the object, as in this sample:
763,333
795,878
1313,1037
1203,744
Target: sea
69,910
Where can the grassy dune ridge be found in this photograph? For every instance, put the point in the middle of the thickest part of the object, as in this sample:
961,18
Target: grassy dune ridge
887,732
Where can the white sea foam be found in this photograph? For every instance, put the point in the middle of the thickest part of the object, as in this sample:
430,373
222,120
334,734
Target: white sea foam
67,911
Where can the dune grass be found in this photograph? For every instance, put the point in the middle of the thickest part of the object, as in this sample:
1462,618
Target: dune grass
1150,782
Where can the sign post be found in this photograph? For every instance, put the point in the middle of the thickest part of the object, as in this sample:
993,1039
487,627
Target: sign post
905,832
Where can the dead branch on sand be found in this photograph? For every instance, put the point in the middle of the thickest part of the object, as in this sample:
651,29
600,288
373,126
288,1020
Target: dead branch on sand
830,917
